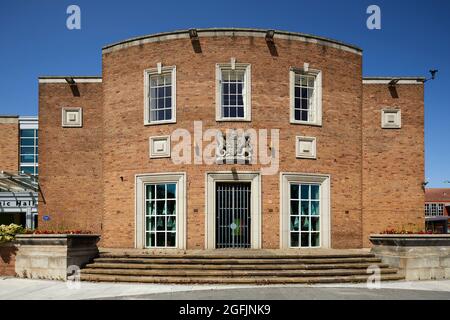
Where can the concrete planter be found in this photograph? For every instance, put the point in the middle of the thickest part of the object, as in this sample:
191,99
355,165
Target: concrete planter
418,257
8,258
48,256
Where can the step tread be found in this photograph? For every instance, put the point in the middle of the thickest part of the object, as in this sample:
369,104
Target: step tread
234,267
238,256
233,273
241,280
236,260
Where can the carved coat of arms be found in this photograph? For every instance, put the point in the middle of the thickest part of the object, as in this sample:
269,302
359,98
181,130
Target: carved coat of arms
233,147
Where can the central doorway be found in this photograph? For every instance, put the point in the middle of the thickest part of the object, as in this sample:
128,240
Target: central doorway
233,215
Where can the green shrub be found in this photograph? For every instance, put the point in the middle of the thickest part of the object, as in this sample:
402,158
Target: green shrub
7,233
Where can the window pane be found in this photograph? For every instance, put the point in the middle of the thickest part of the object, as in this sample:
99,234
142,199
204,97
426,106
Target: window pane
150,191
294,239
305,239
160,191
160,207
147,239
168,79
305,208
27,133
150,223
171,207
304,116
160,239
171,236
171,223
27,159
315,239
160,223
171,189
315,225
27,150
294,207
29,170
27,142
226,112
315,192
305,191
150,207
315,208
305,223
294,191
295,223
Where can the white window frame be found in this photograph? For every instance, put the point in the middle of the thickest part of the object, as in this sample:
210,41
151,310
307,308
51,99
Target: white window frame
427,209
315,116
325,206
397,124
299,154
210,204
150,178
247,87
156,71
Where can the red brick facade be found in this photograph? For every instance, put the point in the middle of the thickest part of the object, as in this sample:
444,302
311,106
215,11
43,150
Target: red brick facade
88,174
70,159
9,143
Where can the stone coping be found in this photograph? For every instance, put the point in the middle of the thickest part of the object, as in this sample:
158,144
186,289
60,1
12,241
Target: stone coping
230,32
411,240
40,236
57,239
411,236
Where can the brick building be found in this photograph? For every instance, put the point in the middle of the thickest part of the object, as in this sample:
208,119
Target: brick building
18,170
145,154
437,209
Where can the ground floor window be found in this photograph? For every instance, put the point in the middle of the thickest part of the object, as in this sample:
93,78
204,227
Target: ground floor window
160,215
304,215
305,211
160,210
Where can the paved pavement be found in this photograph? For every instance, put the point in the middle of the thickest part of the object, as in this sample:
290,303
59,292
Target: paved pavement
18,289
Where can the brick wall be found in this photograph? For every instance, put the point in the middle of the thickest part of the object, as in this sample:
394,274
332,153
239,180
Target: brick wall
125,145
70,161
393,167
9,143
7,259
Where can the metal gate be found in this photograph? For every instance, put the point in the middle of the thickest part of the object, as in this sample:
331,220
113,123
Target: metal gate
233,215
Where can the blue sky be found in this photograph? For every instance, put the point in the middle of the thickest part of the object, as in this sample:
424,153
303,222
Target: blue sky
414,38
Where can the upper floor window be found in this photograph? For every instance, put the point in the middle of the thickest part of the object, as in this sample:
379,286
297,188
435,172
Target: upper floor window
29,151
306,96
233,97
160,95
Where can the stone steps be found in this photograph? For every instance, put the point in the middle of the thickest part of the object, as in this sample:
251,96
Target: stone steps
151,266
250,261
236,280
243,267
240,254
233,273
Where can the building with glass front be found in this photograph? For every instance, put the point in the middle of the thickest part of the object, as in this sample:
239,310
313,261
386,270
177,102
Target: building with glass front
19,170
